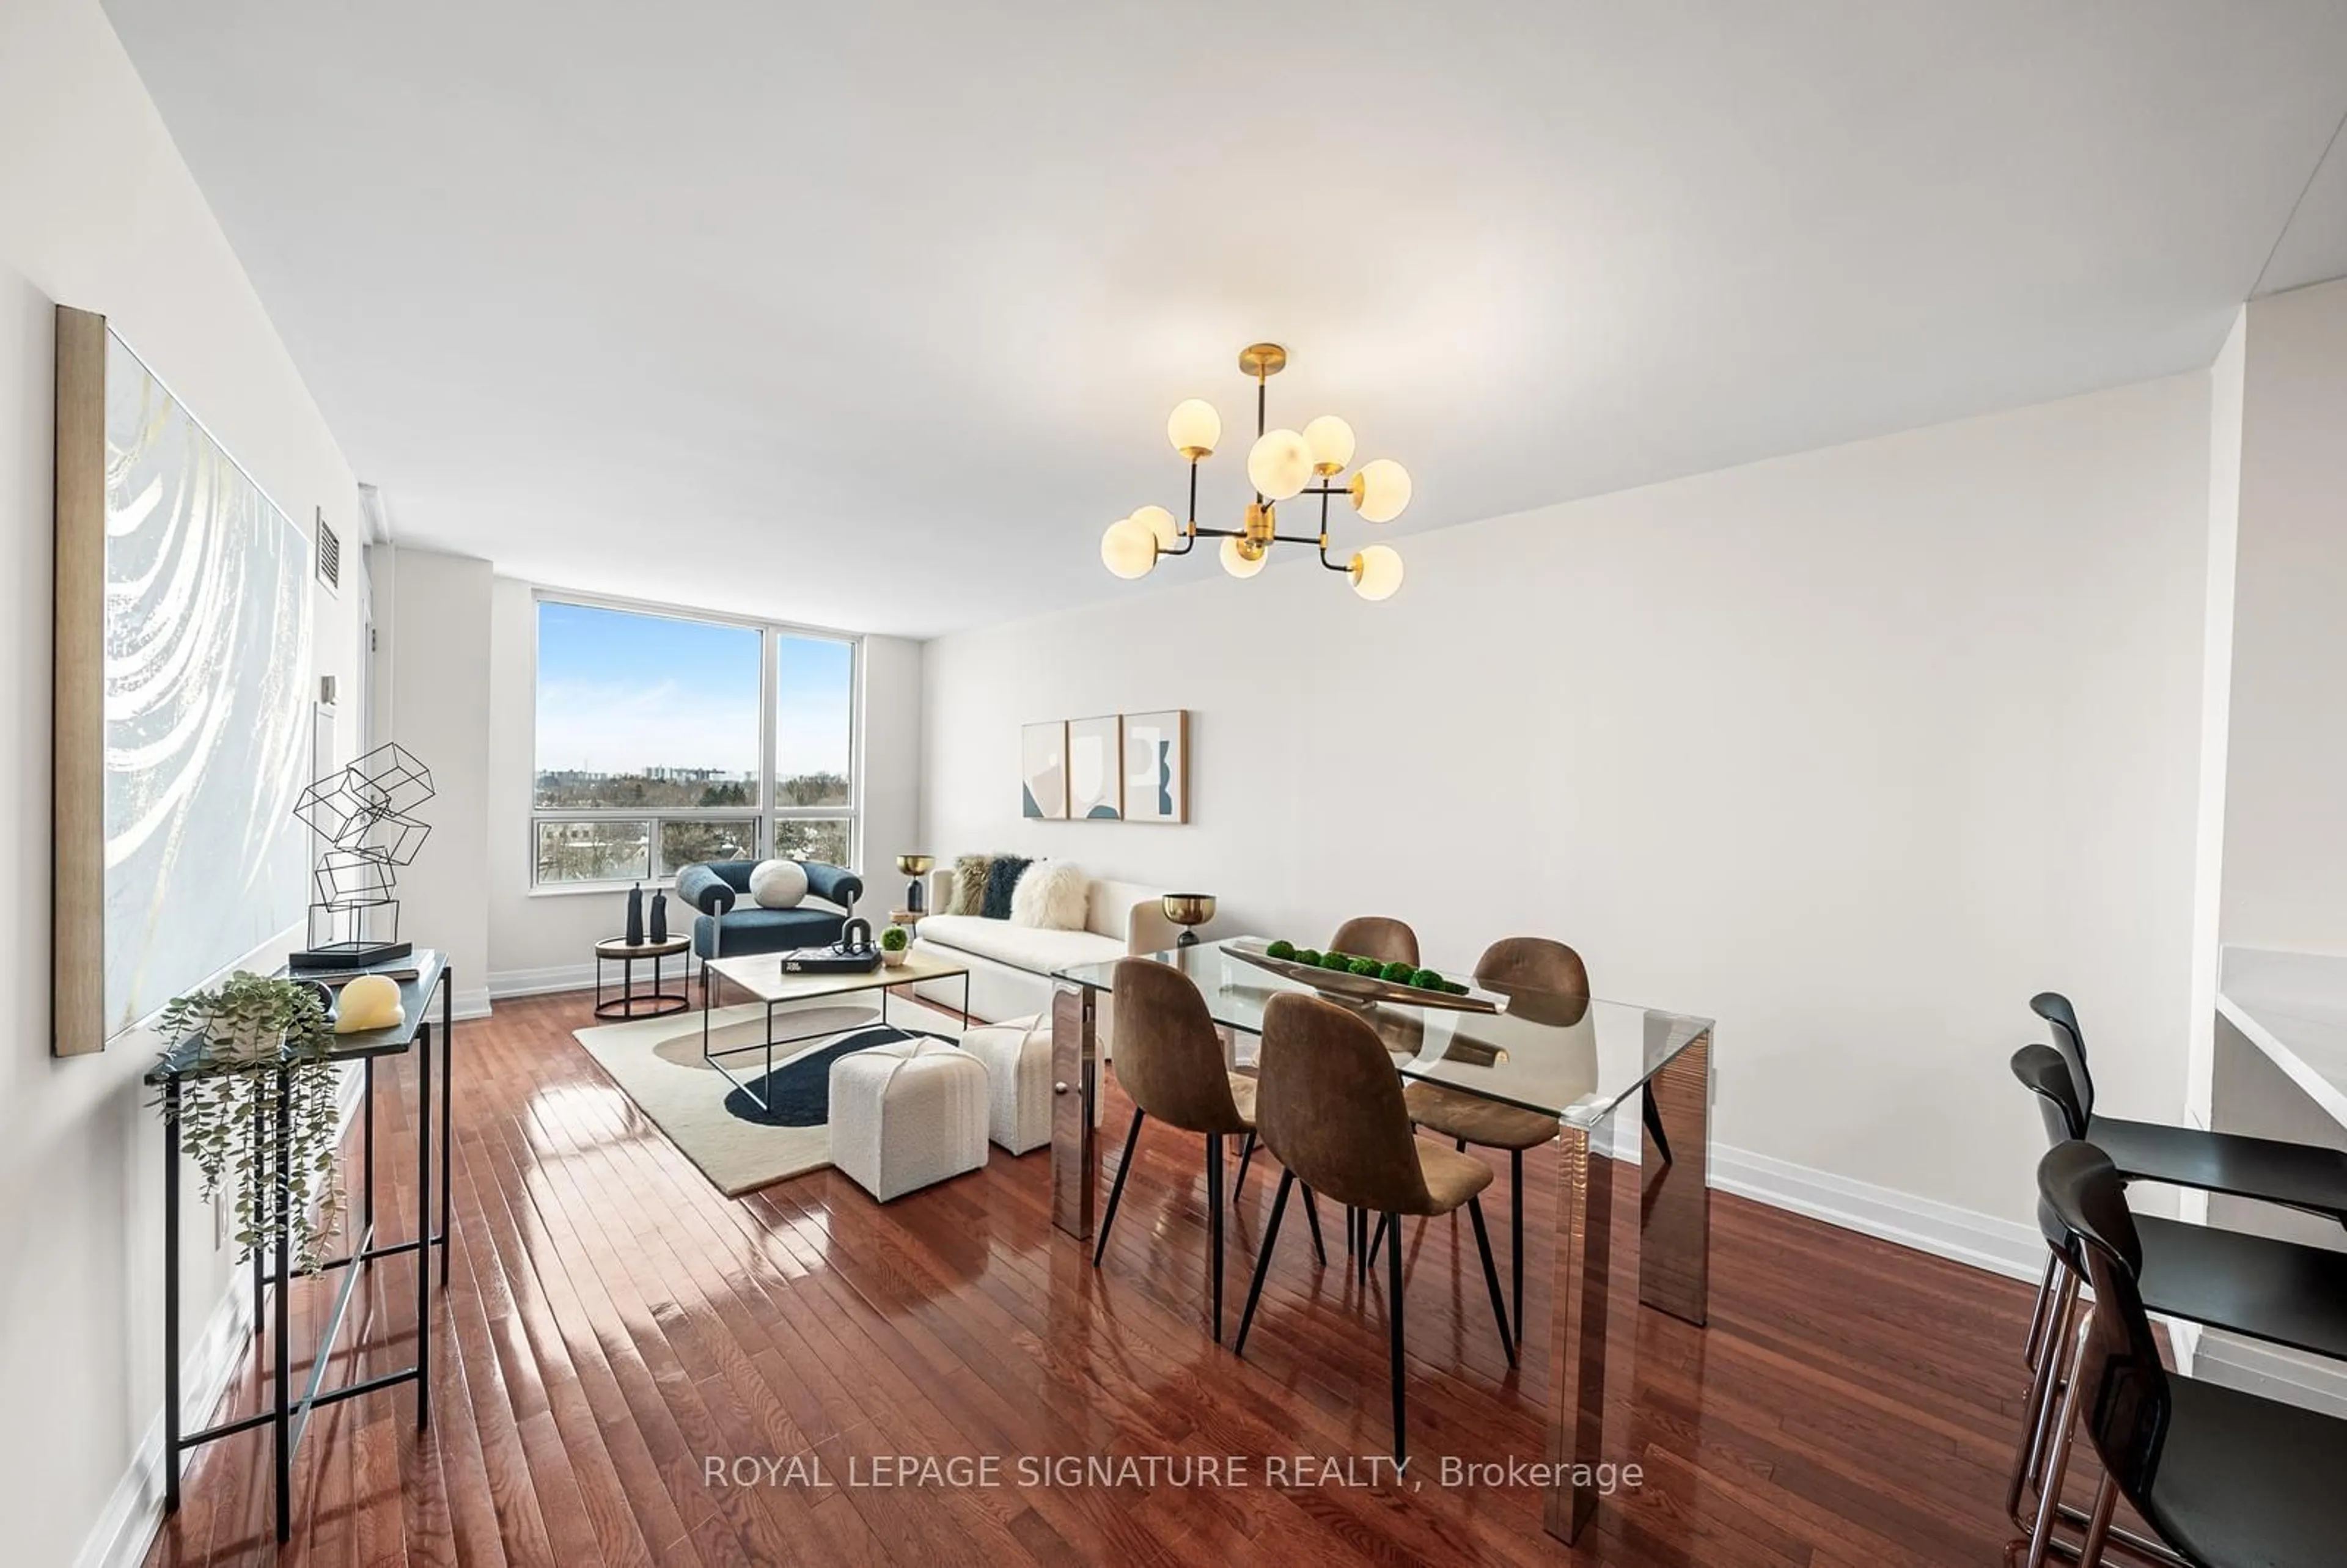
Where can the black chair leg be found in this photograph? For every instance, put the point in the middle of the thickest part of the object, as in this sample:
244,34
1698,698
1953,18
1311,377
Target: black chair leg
1516,1232
1116,1191
1214,1221
1393,1322
1491,1277
1263,1260
1377,1238
1312,1217
1246,1153
1653,1118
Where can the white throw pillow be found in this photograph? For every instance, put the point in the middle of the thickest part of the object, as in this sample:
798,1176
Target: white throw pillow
778,884
1051,895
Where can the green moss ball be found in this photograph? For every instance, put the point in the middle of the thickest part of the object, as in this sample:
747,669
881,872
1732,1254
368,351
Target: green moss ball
1335,960
1280,949
1369,967
1397,972
1308,956
1426,980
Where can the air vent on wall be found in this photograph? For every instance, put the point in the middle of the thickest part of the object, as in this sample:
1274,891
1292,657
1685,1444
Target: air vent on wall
330,554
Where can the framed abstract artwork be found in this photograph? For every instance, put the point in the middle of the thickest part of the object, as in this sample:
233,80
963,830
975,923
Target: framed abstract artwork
182,693
1095,775
1157,766
1044,770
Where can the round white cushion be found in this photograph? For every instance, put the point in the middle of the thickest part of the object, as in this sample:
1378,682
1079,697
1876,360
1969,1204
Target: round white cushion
778,884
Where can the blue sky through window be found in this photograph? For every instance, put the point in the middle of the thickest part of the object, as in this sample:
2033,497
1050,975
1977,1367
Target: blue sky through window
623,692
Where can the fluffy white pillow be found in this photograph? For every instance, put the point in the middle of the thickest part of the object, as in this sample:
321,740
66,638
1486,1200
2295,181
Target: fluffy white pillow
778,884
1051,896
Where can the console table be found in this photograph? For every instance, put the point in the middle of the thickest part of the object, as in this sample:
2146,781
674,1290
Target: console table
288,1415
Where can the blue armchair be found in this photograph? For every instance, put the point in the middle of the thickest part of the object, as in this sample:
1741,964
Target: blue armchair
730,926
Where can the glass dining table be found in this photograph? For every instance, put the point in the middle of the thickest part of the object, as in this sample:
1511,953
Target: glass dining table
1576,1057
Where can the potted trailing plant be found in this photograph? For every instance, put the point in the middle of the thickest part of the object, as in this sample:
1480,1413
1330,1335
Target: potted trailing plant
250,1034
896,942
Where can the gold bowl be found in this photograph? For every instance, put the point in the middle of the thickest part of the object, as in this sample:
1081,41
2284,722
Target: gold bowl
1187,909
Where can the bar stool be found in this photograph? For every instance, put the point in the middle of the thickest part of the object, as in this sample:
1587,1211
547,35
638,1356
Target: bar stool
2278,1291
2296,1175
1329,1109
2227,1479
1169,1058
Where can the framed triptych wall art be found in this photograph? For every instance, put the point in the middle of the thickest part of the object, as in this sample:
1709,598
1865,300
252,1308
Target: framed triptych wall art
1113,767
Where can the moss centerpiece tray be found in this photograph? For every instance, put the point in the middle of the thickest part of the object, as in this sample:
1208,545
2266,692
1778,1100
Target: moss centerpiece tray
1352,983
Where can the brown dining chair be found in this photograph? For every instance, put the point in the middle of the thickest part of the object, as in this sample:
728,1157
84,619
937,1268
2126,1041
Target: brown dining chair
1329,1109
1389,941
1169,1058
1378,937
1547,973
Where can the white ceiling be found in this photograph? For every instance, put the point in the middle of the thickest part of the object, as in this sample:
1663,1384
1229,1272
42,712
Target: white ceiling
869,315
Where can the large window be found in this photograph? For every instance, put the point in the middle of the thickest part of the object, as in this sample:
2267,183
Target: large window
665,739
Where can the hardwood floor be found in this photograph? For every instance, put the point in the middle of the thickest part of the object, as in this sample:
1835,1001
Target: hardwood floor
613,1325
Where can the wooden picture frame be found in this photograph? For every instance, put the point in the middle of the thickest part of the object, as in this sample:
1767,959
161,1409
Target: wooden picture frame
78,745
1156,760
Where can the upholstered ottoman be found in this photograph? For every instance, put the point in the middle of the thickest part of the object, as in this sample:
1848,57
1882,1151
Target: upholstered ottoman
907,1114
1018,1057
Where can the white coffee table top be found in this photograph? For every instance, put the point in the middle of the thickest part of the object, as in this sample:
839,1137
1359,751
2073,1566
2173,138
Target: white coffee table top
761,974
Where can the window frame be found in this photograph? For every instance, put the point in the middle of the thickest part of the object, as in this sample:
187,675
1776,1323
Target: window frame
769,809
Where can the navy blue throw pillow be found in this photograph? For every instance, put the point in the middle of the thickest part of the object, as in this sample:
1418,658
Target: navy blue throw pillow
1000,878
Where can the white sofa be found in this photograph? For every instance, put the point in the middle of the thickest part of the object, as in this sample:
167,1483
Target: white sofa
1010,966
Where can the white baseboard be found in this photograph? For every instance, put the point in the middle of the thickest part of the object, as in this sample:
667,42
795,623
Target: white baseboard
2306,1380
133,1513
1961,1235
539,982
472,1002
1943,1230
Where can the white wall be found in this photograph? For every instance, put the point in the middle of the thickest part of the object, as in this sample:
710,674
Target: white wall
97,210
541,941
437,705
1853,751
2286,809
2227,378
890,725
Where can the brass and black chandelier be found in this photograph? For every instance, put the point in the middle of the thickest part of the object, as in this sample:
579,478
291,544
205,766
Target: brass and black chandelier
1282,464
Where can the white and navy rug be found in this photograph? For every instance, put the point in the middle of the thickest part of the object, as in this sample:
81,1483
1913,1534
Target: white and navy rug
739,1147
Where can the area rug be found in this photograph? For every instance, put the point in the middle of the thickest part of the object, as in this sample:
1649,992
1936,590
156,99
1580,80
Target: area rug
656,1062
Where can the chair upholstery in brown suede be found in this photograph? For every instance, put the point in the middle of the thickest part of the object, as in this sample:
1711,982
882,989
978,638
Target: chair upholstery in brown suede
1545,982
1329,1109
1378,937
1169,1058
1387,940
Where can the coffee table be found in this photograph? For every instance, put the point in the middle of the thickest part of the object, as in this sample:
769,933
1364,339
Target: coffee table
761,975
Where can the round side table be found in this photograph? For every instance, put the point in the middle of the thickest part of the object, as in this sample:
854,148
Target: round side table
631,1002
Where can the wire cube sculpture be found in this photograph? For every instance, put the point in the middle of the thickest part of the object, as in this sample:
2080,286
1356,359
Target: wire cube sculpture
366,815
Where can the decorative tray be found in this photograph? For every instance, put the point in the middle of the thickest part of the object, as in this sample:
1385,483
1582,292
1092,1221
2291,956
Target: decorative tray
1361,988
